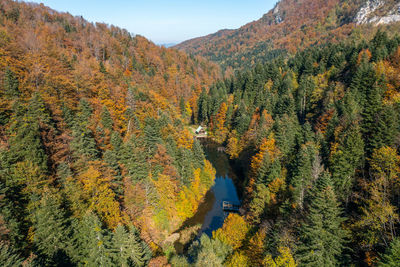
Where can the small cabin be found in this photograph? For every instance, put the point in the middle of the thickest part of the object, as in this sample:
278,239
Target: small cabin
200,130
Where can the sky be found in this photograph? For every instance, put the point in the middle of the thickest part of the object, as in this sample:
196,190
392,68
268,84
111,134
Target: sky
168,21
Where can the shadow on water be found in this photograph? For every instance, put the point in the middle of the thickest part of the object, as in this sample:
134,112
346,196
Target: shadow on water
210,214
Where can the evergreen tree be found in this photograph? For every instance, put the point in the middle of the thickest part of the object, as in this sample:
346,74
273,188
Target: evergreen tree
92,243
198,154
242,119
12,214
37,110
26,142
322,239
202,104
344,161
302,174
209,252
134,158
11,84
106,119
50,231
391,258
129,249
84,143
8,256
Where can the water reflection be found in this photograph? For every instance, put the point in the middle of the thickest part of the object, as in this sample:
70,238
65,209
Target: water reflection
210,214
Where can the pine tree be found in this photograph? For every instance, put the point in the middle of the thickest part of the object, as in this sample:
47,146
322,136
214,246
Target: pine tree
134,157
92,243
11,84
8,256
129,249
202,104
12,209
302,174
84,143
322,239
37,110
50,230
345,159
209,252
26,143
198,154
391,258
106,119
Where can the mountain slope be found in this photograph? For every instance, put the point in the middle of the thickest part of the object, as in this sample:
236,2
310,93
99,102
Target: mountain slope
93,142
291,25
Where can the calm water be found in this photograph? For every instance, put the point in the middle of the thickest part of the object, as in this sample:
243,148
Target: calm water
210,214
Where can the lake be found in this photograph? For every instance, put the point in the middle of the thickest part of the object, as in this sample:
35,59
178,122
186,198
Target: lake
210,214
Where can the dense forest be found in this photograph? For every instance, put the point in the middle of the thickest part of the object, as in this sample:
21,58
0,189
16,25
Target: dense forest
99,167
291,25
318,136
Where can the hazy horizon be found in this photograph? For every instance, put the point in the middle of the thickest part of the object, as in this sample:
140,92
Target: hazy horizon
166,22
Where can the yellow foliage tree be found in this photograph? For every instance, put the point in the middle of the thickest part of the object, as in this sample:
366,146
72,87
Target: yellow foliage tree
239,259
233,148
220,130
207,176
166,191
233,232
285,259
185,139
255,248
100,196
267,146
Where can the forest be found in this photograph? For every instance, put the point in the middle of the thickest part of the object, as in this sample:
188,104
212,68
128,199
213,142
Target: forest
290,26
99,167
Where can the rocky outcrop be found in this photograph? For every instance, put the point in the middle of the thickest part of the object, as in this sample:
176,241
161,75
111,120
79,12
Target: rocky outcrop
368,13
278,17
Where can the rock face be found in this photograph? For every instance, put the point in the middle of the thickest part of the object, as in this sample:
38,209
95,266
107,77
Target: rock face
278,18
371,12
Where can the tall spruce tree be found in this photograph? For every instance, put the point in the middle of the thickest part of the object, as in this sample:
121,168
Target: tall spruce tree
11,84
129,249
322,238
106,119
51,233
92,246
8,256
391,258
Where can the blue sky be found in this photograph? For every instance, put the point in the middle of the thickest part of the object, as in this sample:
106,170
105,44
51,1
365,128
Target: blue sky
165,21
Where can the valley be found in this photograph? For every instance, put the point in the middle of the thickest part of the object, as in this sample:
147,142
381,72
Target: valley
274,144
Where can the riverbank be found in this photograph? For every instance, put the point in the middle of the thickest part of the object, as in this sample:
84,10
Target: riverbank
210,216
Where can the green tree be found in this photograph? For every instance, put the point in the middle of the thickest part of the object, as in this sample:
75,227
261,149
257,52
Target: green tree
92,242
344,161
8,256
202,104
129,249
51,233
106,119
302,177
84,143
391,258
209,252
11,84
322,238
26,142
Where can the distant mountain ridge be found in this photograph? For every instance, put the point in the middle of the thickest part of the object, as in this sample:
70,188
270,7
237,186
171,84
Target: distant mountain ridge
289,26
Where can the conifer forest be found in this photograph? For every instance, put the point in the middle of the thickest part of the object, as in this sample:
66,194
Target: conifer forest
101,163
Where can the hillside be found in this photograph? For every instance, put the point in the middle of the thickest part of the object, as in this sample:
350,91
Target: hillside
290,26
99,165
94,152
317,136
